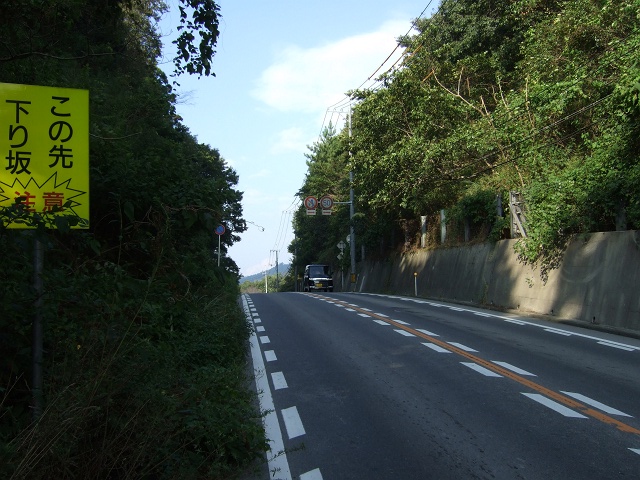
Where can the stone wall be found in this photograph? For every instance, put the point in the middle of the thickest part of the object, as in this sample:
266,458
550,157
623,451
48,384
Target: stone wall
597,282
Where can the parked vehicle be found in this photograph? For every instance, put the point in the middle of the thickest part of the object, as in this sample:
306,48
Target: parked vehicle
317,278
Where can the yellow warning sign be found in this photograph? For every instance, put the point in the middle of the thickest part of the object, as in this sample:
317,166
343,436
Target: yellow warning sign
44,150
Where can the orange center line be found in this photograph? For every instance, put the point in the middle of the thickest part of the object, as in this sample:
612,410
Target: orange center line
558,397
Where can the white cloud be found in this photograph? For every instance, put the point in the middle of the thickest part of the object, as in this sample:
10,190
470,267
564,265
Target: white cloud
293,139
310,80
263,173
257,268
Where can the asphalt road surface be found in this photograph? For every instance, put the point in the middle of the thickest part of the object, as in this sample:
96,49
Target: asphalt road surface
358,386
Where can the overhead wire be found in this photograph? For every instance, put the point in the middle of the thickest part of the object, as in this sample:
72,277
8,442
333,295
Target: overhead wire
339,106
517,110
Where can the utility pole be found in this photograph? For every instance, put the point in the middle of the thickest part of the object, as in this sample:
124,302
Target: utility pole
352,232
295,259
277,274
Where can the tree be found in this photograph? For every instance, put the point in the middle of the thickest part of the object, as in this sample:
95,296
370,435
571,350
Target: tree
145,342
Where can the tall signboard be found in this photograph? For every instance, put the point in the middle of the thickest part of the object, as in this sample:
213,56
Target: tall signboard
44,150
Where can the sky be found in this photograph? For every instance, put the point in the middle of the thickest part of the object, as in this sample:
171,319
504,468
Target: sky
280,66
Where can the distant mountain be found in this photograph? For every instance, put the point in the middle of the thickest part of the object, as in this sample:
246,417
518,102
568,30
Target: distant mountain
282,269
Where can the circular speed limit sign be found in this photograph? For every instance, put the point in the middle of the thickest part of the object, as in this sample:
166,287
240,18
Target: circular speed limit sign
326,202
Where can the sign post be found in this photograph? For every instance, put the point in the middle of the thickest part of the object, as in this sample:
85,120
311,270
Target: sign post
44,147
326,203
219,231
311,204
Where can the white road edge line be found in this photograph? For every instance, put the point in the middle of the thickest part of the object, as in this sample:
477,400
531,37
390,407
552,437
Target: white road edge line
270,356
635,450
276,457
558,332
561,409
616,345
596,404
511,320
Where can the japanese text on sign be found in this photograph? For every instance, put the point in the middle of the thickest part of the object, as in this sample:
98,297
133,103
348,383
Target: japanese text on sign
44,149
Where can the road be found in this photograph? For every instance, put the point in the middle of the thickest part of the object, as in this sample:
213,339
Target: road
360,386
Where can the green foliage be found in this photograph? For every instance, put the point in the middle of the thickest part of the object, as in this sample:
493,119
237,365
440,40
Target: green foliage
202,21
328,174
258,286
144,365
478,211
534,96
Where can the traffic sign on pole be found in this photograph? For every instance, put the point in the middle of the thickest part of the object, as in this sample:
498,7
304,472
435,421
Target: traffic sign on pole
220,229
311,204
326,202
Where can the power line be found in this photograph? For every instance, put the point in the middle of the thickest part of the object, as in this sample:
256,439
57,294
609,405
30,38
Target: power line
341,105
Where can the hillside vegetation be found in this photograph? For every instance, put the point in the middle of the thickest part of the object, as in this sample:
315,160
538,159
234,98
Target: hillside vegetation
538,97
144,342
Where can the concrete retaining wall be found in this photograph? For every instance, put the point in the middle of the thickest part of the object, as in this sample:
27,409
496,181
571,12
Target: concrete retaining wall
597,282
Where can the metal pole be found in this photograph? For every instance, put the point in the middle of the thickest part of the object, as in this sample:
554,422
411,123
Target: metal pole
295,256
37,332
219,237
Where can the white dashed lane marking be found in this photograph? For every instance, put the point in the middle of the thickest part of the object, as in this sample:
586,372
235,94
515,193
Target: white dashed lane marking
480,369
437,348
427,332
264,340
279,382
594,403
462,347
270,356
312,475
405,333
292,422
561,409
514,369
